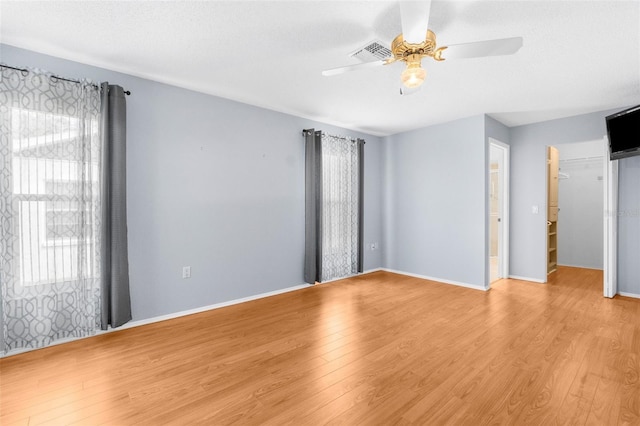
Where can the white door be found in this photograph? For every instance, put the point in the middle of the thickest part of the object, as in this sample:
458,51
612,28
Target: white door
498,210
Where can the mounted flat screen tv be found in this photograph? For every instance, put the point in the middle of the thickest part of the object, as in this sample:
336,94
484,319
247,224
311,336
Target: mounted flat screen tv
623,129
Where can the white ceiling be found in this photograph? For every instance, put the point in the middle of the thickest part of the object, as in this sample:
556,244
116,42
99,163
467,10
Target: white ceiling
578,56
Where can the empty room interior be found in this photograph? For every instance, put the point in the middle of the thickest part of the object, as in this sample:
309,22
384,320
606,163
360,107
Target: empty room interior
319,212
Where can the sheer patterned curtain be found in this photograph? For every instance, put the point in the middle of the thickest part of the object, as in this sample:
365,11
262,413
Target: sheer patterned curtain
50,208
340,197
334,192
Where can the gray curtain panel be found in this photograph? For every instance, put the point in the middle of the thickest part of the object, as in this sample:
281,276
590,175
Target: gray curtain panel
115,300
313,206
360,204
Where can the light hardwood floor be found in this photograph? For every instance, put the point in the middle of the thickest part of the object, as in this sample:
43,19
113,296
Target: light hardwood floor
375,349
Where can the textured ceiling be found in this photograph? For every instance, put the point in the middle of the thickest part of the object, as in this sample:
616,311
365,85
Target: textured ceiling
577,56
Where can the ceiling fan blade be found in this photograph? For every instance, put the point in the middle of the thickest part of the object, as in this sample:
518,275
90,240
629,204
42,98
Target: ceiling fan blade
503,46
405,91
415,20
342,70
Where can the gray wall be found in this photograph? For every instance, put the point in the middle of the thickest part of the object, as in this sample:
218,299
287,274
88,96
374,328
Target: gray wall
436,204
528,185
496,130
214,184
580,199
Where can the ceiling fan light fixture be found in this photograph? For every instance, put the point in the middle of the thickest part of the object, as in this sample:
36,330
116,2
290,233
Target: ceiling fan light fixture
413,76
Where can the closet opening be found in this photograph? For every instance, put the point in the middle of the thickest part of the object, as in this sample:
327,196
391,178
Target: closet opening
579,184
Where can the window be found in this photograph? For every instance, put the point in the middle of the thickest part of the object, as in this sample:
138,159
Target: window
54,188
334,171
53,141
340,195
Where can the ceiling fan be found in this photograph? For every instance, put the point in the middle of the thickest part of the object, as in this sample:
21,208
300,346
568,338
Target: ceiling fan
417,42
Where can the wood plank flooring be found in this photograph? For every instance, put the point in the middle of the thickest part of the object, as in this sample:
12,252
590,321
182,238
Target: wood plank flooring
376,349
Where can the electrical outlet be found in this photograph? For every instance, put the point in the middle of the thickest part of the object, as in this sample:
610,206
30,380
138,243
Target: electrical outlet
186,272
373,246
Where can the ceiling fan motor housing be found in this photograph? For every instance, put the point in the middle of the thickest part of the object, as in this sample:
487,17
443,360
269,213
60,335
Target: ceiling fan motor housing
402,50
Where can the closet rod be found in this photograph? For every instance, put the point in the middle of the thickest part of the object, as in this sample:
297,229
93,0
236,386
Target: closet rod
597,157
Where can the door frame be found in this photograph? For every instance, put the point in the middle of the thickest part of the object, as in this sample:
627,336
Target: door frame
610,223
504,178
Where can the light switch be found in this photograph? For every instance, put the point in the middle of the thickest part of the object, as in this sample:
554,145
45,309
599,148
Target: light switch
534,209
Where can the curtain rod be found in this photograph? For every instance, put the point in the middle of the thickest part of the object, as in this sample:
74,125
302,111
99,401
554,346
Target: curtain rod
304,131
25,71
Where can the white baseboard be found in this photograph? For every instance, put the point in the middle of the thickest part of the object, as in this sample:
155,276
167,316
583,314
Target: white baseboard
440,280
517,277
138,323
625,294
581,267
368,271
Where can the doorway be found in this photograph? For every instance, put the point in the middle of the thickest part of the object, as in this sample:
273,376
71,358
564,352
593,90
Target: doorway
498,210
590,161
580,204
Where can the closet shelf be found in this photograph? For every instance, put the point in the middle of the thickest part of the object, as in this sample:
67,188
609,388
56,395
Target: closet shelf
553,174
